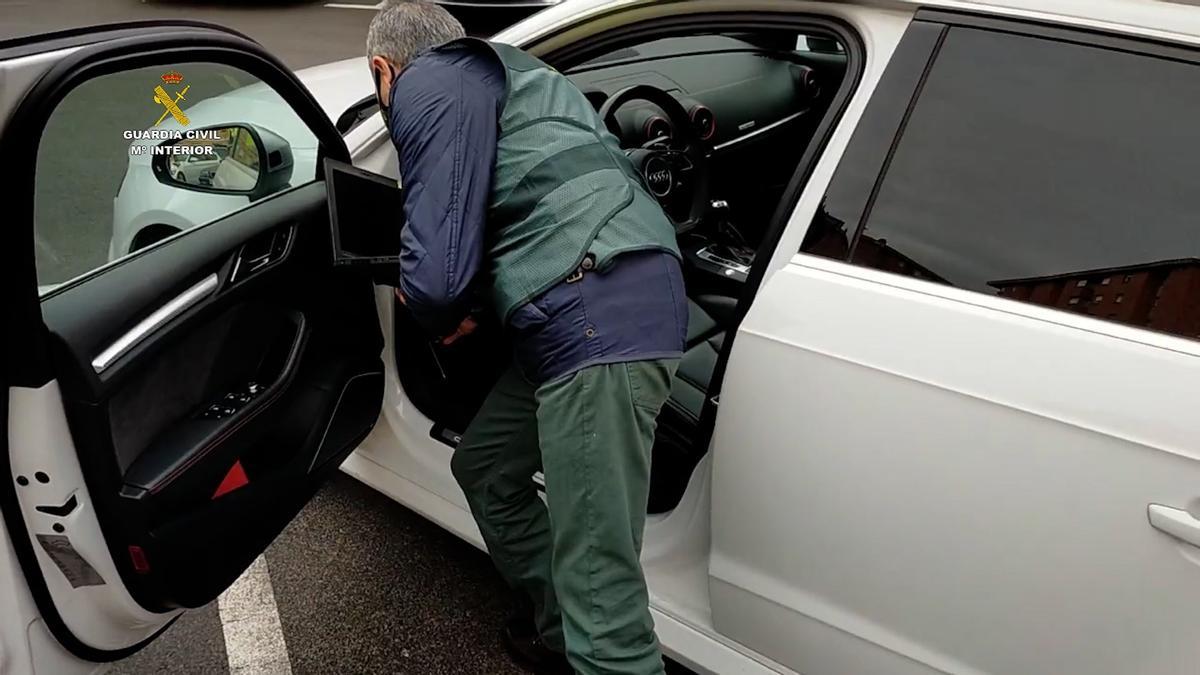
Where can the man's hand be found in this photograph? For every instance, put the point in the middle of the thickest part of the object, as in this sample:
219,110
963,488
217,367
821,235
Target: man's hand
467,327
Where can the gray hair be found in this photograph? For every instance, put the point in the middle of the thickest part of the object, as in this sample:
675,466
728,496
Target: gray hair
405,28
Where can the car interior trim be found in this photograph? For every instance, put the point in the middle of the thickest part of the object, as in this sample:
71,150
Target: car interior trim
570,59
760,131
159,318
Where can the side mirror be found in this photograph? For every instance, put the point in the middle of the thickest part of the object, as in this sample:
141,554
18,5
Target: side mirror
235,159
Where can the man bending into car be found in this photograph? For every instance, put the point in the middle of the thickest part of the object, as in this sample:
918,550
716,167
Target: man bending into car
514,188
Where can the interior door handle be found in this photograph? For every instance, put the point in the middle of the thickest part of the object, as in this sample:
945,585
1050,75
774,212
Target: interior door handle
263,250
1175,522
161,317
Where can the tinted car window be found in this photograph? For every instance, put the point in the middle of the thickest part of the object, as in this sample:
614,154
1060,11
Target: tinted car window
1047,172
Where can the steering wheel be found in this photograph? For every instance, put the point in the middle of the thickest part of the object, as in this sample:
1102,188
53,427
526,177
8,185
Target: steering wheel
674,170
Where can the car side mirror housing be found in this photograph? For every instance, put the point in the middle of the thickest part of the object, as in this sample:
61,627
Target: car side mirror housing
232,159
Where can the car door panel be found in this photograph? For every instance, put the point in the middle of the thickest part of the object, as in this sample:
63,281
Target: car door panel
972,499
296,337
171,411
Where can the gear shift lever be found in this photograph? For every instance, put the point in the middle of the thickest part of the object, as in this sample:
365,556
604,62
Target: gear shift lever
719,208
729,243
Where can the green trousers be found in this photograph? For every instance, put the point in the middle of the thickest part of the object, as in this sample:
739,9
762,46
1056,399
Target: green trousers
577,555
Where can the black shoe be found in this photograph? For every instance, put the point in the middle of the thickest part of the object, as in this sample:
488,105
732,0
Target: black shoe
520,623
528,650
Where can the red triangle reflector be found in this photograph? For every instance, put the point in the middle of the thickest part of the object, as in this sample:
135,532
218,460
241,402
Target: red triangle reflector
233,480
140,564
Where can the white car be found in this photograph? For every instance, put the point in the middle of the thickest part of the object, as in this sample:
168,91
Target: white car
197,169
937,414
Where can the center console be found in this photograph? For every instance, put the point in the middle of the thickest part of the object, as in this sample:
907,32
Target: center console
719,250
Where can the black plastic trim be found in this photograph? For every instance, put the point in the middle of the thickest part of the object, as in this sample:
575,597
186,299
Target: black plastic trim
889,107
1067,32
153,479
27,45
26,360
876,133
358,111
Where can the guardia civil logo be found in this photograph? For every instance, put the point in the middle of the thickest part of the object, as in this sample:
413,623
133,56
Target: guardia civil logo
161,97
168,95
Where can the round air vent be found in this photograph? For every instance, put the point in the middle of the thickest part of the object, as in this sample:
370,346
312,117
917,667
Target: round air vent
657,126
704,121
808,85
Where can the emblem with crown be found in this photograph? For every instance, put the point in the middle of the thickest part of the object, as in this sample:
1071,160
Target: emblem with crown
172,77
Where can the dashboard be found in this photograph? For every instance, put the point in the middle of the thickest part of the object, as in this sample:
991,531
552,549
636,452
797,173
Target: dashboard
732,88
756,99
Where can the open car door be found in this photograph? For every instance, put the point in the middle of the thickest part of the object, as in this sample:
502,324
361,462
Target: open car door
183,366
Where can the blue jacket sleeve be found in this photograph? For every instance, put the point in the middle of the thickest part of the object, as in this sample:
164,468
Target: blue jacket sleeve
444,123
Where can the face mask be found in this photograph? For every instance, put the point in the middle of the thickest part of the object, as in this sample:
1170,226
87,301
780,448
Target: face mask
385,106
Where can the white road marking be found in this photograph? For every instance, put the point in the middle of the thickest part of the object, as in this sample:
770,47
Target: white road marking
353,5
250,620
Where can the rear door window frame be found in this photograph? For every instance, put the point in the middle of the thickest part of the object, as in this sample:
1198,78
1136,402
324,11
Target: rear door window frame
865,163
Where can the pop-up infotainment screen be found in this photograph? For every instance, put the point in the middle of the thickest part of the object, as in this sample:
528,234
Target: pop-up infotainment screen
365,215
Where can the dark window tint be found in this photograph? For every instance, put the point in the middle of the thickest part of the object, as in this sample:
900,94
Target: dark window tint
1044,172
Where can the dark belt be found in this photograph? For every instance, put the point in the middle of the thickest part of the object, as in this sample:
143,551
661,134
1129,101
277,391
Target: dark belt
588,264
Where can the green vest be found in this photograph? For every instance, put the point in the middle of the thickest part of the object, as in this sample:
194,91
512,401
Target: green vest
561,187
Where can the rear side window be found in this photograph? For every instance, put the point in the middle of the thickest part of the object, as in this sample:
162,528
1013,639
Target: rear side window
1047,172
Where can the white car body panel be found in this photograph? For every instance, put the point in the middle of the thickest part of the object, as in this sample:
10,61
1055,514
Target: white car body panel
966,482
102,616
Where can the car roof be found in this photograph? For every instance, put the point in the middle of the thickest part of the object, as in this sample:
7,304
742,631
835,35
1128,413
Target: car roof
340,84
1177,20
1172,19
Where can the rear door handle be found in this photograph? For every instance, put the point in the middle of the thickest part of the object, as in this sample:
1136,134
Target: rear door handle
1175,522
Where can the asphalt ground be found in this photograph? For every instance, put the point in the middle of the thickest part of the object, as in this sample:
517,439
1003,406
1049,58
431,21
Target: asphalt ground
362,585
